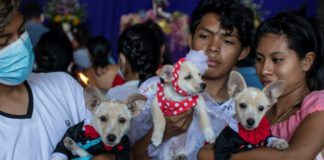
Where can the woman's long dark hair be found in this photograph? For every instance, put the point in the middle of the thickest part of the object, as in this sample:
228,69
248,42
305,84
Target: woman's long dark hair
303,37
99,49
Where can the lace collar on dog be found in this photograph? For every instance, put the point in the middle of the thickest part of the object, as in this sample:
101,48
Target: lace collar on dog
256,135
170,107
175,75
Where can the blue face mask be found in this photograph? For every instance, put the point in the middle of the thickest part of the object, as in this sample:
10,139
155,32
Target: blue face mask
16,61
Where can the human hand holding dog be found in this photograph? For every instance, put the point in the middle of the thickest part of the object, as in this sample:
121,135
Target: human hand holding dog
175,125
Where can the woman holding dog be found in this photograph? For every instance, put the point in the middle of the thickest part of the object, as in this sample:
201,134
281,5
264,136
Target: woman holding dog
290,48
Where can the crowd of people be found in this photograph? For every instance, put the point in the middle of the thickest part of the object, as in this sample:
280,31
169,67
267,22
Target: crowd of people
41,96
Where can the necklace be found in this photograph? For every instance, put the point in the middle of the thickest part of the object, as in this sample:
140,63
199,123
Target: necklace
287,112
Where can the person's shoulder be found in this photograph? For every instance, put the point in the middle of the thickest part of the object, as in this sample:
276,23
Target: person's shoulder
50,78
30,25
112,69
314,101
49,75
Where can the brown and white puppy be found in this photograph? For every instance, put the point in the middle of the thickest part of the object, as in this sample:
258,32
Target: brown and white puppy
189,79
110,122
251,104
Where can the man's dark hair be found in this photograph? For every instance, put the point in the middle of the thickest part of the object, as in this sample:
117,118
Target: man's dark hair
232,13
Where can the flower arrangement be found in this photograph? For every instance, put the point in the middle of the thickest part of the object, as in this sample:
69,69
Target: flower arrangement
175,26
65,11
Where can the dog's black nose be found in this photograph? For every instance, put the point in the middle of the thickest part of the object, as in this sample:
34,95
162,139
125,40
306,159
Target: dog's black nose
111,138
250,121
203,85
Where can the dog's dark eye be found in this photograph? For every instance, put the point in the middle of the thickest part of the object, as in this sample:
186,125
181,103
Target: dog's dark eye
103,118
242,105
260,108
188,77
122,120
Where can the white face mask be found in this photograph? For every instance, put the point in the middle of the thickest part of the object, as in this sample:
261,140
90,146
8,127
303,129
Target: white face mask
16,61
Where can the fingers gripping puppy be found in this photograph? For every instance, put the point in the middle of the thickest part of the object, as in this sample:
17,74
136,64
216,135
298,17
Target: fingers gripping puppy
180,92
103,132
250,128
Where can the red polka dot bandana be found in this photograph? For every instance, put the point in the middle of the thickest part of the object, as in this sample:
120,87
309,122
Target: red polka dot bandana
175,75
172,108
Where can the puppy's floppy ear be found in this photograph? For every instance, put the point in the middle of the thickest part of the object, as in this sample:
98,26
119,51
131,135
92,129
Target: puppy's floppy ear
235,84
93,97
166,73
274,90
135,103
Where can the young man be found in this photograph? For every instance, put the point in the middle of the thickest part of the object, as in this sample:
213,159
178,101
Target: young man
35,109
223,29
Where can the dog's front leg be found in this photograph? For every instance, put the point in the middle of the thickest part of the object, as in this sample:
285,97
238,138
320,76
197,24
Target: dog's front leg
204,120
158,122
74,148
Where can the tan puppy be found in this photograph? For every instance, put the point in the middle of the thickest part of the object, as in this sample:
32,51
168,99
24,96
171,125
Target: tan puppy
105,130
189,79
251,104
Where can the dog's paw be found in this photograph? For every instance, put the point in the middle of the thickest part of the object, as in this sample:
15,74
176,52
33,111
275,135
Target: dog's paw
156,141
70,144
209,135
179,157
280,144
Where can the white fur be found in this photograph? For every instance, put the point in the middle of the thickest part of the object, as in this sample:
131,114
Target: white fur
253,99
113,111
192,86
254,94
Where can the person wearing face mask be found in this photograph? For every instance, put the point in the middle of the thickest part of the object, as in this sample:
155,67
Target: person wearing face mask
35,109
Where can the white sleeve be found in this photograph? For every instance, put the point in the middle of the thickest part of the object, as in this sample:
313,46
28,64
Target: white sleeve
149,87
58,156
78,98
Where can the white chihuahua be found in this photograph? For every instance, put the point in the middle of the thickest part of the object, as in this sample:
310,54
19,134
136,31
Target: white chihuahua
180,92
250,129
105,131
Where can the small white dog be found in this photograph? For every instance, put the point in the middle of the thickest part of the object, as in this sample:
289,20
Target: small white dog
250,129
180,92
105,131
